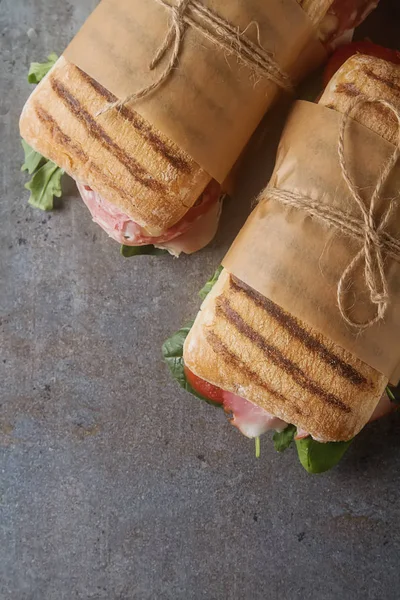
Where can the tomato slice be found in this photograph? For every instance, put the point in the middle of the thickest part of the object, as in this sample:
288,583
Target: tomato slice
339,57
212,392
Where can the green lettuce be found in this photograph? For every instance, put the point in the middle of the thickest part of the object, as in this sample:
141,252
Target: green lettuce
33,160
46,181
38,71
128,251
45,184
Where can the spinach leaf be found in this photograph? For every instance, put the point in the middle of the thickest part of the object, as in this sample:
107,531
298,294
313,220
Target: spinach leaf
210,284
173,355
283,439
317,457
128,251
38,71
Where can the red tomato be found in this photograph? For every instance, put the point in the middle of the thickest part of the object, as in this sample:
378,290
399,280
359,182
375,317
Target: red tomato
345,52
212,392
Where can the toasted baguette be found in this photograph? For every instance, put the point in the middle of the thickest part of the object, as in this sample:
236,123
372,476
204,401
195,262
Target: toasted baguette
118,154
244,343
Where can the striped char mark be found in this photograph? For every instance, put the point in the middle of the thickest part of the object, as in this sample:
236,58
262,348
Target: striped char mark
276,357
348,89
96,131
381,79
175,160
230,358
293,326
62,138
57,134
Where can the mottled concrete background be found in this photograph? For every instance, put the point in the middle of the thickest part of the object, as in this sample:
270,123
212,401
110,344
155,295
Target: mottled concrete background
114,483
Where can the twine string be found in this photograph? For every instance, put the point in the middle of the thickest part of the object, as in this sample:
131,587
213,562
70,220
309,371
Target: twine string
377,243
220,32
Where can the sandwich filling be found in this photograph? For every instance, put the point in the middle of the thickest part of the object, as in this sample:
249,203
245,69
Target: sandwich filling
196,229
252,420
344,16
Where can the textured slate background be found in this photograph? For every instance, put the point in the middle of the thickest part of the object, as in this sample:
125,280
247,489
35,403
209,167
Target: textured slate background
114,483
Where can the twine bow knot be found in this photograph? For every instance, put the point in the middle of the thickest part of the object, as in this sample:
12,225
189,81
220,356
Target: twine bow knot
374,247
377,243
221,33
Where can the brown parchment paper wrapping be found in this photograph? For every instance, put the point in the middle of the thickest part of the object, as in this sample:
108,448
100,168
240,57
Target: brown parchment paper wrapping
297,261
211,104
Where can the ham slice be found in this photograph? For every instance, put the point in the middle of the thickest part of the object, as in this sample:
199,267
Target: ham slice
343,17
250,419
198,236
200,222
253,421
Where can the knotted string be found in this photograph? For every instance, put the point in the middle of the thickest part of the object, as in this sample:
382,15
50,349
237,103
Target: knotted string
376,242
220,32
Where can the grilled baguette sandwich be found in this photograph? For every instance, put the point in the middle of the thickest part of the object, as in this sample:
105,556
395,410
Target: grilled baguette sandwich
139,185
245,344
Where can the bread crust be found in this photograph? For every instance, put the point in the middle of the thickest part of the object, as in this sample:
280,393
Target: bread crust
118,154
244,343
371,77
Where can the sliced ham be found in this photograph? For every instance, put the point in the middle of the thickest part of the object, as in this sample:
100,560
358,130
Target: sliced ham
253,421
196,237
385,407
201,222
250,419
342,18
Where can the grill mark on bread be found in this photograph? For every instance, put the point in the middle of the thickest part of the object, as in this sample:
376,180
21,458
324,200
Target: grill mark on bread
381,79
348,89
61,137
101,90
94,129
178,162
231,359
46,119
223,308
292,325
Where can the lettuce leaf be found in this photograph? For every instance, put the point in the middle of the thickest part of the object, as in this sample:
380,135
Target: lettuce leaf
45,185
128,251
33,160
283,439
316,457
210,283
38,71
46,181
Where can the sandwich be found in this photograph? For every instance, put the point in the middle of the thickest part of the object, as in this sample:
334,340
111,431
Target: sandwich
138,185
267,368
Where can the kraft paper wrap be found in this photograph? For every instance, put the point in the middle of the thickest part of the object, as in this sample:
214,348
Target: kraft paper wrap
296,260
211,104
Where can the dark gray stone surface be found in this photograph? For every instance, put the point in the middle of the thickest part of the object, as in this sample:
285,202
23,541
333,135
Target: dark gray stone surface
116,485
